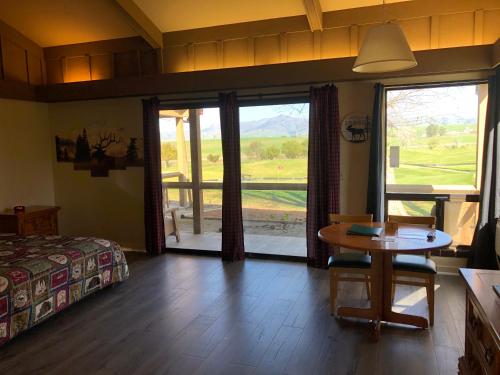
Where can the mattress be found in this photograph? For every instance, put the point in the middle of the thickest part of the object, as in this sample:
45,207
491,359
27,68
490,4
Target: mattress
42,275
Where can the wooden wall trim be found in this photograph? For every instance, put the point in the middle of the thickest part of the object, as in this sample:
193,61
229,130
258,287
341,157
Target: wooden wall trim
430,62
20,39
341,18
495,54
97,48
18,90
21,59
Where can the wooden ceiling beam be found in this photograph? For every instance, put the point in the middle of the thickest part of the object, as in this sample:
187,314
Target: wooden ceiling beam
141,23
314,14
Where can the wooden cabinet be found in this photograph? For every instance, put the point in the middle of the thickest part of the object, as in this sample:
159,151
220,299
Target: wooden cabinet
482,326
34,220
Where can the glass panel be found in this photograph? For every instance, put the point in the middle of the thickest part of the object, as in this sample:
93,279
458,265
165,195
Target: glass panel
460,220
175,145
212,211
274,212
211,146
411,208
274,143
432,136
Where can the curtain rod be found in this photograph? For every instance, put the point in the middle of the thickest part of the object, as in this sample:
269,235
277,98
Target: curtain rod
437,84
256,96
214,99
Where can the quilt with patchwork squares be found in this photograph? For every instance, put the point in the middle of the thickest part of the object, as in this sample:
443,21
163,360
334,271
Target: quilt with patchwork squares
42,275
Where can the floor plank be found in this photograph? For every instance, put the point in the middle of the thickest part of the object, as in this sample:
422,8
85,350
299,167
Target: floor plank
181,314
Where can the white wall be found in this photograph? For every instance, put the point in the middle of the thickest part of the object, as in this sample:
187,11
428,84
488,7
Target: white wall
26,176
110,207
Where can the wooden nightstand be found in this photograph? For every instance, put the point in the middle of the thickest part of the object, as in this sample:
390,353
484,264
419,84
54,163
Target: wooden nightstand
35,220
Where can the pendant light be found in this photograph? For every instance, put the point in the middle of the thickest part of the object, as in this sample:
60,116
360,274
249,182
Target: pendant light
384,49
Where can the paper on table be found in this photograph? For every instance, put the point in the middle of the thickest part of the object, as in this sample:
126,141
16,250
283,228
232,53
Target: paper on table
385,239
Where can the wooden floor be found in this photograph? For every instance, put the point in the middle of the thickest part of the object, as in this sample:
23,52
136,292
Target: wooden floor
181,314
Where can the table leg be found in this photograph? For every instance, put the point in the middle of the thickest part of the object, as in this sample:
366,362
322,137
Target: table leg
377,290
387,314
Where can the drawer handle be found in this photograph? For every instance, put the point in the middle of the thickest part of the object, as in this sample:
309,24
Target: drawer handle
488,356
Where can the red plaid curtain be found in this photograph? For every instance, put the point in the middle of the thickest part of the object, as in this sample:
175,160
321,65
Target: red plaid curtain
153,202
323,171
233,247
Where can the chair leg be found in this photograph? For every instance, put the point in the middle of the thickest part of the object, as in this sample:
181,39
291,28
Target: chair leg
367,283
430,298
333,291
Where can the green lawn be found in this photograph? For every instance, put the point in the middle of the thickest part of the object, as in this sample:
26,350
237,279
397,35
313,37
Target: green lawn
450,161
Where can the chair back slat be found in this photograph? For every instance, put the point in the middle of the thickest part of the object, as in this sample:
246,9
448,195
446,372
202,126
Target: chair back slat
339,218
428,221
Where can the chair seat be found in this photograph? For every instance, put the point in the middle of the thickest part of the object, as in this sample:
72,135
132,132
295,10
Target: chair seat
414,263
350,260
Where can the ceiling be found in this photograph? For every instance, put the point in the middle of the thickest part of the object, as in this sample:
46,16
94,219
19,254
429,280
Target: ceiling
59,22
175,15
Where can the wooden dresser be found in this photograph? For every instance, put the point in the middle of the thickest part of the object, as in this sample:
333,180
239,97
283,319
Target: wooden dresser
34,220
482,326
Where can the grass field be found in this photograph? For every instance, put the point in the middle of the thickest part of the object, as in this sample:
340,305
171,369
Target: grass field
449,159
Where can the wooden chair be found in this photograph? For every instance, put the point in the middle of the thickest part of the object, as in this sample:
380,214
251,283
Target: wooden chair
352,263
418,267
171,224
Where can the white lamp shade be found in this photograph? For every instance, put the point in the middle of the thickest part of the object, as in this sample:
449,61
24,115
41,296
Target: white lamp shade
384,49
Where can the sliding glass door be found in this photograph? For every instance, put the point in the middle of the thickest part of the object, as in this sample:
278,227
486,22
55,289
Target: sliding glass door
274,141
274,176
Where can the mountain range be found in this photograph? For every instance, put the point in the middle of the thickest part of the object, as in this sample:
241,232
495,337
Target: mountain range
278,126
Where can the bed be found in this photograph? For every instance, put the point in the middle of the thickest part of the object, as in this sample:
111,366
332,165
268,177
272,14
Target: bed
42,275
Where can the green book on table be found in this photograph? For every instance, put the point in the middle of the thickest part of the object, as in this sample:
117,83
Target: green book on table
361,230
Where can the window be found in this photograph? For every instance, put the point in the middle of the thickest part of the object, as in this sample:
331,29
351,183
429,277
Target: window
432,138
433,149
273,143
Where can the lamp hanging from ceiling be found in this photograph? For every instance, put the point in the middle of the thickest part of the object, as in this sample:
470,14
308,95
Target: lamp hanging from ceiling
384,49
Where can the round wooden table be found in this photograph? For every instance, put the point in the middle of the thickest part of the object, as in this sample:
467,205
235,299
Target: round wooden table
408,239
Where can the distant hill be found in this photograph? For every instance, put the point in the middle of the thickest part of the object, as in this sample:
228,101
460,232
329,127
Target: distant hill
277,126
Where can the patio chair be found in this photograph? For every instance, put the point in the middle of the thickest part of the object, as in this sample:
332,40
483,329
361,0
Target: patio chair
350,263
419,267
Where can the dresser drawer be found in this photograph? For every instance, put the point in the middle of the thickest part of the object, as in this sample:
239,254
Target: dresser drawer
485,347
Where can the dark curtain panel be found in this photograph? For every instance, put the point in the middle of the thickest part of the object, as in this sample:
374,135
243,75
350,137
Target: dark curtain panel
375,192
153,202
233,247
323,170
483,244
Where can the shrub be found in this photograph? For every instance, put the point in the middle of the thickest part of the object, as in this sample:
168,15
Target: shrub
254,150
214,158
270,153
168,152
293,149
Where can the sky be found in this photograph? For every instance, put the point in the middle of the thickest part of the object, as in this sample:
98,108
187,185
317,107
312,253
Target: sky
210,116
459,101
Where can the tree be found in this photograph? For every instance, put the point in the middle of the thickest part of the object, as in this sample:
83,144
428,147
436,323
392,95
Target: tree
168,152
82,152
132,151
293,149
432,130
254,150
270,153
442,131
214,158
